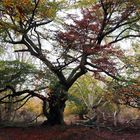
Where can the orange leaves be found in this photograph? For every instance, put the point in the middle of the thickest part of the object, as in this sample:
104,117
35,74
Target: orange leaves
21,9
17,9
15,3
20,2
8,2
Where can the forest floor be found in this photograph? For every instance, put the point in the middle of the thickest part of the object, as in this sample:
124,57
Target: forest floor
67,132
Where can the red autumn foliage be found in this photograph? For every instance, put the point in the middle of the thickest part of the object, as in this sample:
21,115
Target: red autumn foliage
95,34
129,95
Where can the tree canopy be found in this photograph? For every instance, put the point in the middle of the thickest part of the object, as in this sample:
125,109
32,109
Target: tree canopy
81,43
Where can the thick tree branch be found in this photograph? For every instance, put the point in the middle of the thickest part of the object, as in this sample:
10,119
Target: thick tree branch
19,93
74,71
75,75
35,51
70,62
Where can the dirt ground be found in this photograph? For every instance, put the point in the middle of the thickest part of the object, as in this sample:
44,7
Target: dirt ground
66,133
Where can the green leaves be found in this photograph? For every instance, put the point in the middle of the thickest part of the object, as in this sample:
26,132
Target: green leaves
84,94
14,72
85,3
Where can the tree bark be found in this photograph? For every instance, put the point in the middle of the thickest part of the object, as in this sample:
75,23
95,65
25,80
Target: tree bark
56,113
56,105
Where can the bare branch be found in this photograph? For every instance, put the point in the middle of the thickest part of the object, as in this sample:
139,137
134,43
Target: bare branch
124,37
106,72
23,103
23,50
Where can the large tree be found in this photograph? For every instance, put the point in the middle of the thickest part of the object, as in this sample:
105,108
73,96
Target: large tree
86,43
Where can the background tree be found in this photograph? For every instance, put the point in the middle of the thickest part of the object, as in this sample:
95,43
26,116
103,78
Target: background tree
93,100
20,71
128,92
85,94
88,43
17,73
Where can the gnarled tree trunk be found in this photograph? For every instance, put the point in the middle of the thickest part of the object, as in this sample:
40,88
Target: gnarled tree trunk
56,104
